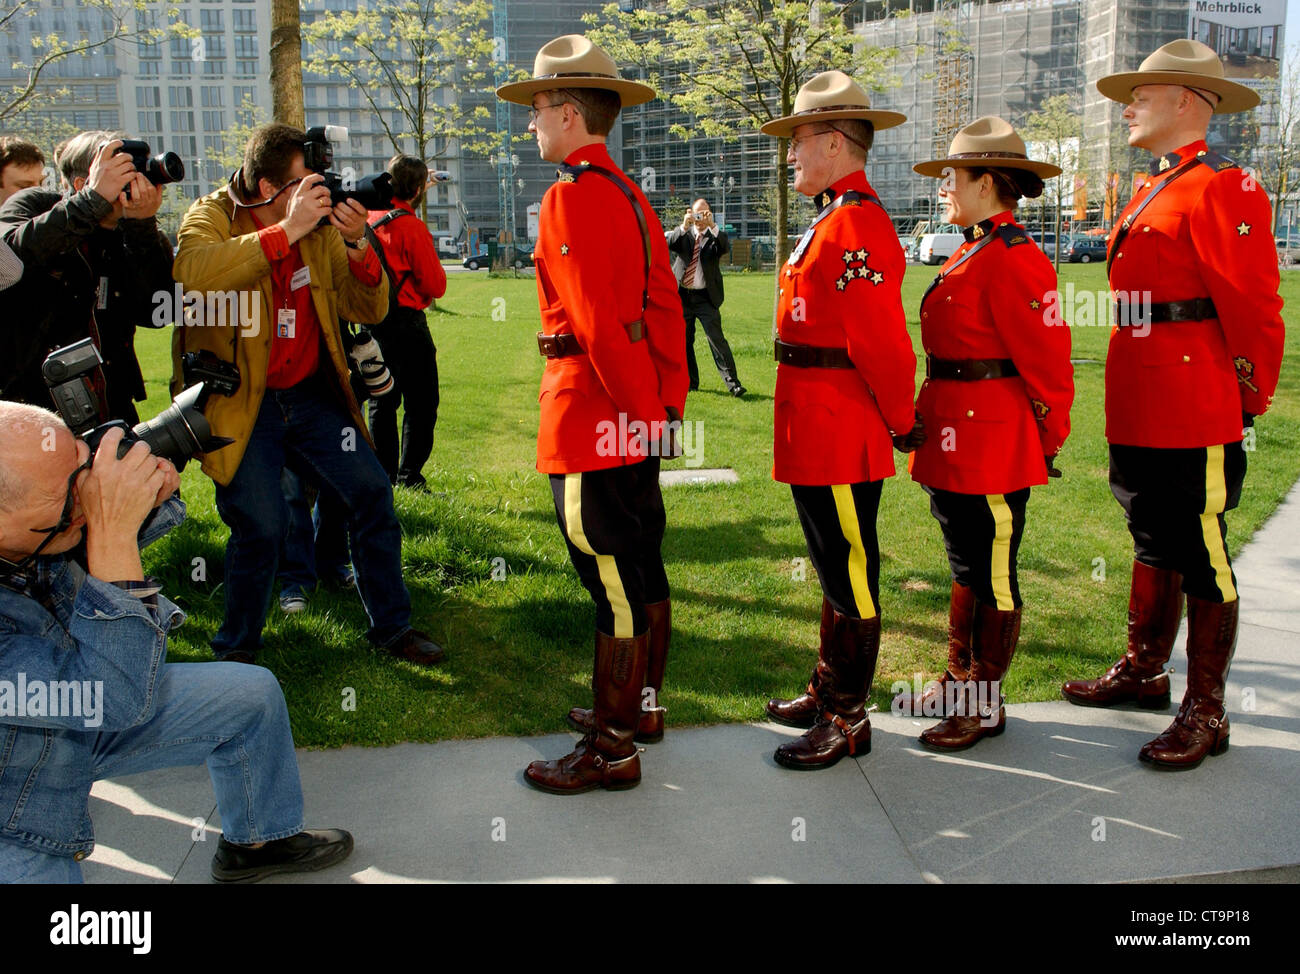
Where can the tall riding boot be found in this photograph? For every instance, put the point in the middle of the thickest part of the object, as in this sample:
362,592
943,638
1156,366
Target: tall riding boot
935,698
607,756
650,728
1155,606
841,727
1201,727
802,710
979,712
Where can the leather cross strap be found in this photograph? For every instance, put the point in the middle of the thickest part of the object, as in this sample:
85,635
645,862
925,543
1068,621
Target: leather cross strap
812,356
961,260
1195,309
1129,220
969,369
575,171
566,343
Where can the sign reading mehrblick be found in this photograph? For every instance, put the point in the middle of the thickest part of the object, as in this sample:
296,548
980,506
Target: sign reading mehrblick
1246,34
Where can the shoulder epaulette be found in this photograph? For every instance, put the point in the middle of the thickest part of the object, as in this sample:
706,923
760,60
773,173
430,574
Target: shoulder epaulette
566,173
1216,162
1012,235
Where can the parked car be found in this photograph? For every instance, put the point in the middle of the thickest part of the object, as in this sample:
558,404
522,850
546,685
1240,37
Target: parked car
521,259
474,261
1047,243
935,248
1084,250
447,247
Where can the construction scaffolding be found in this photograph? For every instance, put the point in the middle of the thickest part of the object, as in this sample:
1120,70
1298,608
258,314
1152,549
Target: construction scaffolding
954,69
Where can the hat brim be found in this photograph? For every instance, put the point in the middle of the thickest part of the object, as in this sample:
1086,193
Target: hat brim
629,92
936,167
1232,96
782,128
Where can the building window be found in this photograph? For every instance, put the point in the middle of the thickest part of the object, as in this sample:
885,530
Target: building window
246,69
211,21
148,121
245,21
246,46
214,67
213,97
180,97
182,121
146,98
214,121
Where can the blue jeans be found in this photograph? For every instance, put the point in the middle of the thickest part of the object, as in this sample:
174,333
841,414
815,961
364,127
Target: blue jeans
231,716
306,429
316,544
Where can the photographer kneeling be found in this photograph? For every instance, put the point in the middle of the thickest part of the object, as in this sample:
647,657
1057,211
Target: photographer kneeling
85,692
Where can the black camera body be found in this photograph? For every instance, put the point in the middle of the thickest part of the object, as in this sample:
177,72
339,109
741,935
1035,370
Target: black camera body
373,192
161,169
177,433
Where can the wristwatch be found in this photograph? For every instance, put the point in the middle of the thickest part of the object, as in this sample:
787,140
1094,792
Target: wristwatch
361,244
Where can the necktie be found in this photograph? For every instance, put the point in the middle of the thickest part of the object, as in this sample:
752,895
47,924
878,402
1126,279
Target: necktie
689,279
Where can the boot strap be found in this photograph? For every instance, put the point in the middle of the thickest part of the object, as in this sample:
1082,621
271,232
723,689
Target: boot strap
845,728
605,764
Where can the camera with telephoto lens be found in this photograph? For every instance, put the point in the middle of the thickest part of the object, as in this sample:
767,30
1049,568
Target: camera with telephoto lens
370,363
177,433
166,167
372,192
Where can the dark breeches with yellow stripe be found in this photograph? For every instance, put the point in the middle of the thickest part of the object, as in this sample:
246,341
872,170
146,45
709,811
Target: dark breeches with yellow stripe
613,525
839,524
982,534
1174,500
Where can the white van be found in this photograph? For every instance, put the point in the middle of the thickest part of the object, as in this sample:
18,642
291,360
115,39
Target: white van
935,248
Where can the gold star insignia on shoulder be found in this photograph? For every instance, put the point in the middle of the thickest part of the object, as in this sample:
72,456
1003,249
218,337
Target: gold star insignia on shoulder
1164,163
1035,304
877,277
564,250
840,284
861,254
1243,229
848,256
1201,154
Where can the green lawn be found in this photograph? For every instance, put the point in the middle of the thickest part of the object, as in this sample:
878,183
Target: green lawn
520,649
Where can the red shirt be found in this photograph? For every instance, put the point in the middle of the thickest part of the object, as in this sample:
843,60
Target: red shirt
590,261
990,436
412,257
1207,235
832,426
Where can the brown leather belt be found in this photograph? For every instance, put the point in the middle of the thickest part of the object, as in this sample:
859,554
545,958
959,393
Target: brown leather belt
812,356
565,344
1196,309
969,369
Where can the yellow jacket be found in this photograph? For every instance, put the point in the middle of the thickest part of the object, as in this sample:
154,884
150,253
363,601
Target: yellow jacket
219,252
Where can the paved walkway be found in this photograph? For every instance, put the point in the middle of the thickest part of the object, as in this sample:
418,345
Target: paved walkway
1061,797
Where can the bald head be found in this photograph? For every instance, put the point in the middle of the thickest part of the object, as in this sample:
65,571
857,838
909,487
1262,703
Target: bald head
31,440
1161,118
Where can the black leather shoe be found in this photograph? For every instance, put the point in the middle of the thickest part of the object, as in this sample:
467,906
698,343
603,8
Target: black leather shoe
302,853
238,656
737,390
416,647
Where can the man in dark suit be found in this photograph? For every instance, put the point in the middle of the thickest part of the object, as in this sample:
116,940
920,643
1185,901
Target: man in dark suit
696,246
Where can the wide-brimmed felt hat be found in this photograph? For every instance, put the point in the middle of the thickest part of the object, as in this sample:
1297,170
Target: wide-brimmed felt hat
1187,63
827,97
573,61
989,142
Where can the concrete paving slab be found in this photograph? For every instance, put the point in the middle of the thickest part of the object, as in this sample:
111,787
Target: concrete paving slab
1268,569
712,807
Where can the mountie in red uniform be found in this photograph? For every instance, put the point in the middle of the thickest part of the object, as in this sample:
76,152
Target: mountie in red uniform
841,290
995,299
1199,230
591,281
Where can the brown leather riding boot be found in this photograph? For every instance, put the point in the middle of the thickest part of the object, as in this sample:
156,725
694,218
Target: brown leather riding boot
1201,727
1155,606
650,728
607,756
842,727
934,699
802,710
979,711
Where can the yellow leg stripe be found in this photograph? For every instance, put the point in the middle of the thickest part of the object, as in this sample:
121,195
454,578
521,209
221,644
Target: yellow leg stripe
1216,499
848,514
1000,570
605,564
617,596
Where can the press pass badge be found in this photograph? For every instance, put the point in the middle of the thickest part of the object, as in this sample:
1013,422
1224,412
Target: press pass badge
301,278
101,295
284,319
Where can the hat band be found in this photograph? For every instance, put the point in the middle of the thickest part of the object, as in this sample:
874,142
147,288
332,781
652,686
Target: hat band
576,74
987,155
833,108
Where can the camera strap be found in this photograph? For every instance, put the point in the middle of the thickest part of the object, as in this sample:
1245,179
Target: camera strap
395,285
570,174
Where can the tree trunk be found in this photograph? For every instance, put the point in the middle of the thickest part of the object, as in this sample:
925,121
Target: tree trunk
286,64
782,206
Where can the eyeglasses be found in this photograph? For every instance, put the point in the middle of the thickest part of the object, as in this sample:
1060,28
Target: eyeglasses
534,112
65,519
795,143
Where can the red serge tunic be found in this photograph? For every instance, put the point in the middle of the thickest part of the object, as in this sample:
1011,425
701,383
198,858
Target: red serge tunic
590,259
990,436
841,289
1208,234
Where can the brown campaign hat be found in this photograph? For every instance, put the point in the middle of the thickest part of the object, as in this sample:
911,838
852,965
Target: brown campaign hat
988,142
1189,64
829,96
573,61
